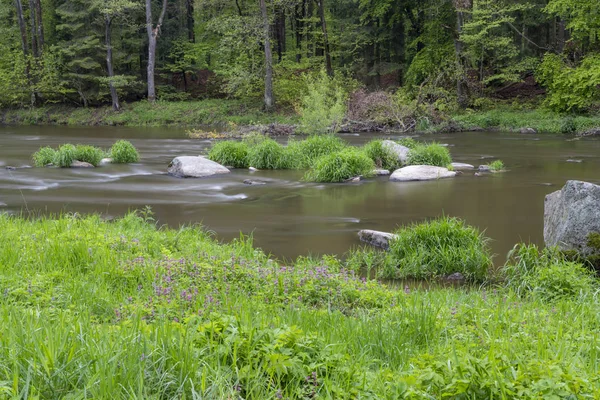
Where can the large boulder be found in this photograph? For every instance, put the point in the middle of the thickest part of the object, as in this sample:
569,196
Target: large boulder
400,151
572,218
462,166
195,167
421,173
376,238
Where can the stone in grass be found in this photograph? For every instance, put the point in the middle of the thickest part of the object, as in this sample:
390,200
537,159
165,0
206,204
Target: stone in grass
400,151
81,164
572,218
195,167
421,173
106,161
528,131
376,238
381,172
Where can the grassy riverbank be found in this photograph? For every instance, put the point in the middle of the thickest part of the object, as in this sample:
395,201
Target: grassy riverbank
230,113
93,309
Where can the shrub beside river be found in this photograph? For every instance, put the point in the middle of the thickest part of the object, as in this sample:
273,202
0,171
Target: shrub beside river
117,309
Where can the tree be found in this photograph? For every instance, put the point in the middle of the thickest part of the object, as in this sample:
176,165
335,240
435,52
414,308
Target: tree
269,101
153,33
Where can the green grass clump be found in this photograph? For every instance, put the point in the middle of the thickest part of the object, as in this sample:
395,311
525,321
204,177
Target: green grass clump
496,166
381,155
340,166
268,154
408,142
230,153
303,153
437,249
123,152
65,155
429,154
44,156
89,154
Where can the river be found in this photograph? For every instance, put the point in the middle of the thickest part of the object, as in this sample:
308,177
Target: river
288,217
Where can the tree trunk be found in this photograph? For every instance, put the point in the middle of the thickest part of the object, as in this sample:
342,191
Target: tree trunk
153,32
461,81
109,65
22,27
325,39
34,43
40,25
299,15
190,21
269,102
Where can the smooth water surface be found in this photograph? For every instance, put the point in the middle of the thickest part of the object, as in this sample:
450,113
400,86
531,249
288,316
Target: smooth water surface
289,217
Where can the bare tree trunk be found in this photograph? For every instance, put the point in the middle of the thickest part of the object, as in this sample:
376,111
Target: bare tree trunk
461,82
22,27
153,32
34,44
40,25
190,21
298,16
269,102
109,65
325,39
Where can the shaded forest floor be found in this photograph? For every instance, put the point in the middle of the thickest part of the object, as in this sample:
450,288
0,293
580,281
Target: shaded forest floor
229,114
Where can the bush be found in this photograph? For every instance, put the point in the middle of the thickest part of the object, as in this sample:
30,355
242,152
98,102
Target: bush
429,154
340,166
65,155
267,154
546,274
123,152
496,166
439,248
408,142
302,154
89,154
324,107
230,153
44,156
382,156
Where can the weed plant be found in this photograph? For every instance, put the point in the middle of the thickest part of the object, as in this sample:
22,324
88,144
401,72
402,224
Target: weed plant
437,249
65,155
44,156
408,142
89,154
123,152
303,153
268,154
230,153
496,166
340,166
382,156
429,154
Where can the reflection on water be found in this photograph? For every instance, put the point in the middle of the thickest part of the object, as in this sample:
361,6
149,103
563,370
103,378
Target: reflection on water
289,217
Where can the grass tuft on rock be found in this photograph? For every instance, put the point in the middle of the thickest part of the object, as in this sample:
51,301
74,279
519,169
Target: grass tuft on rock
303,153
268,154
429,154
89,154
382,157
123,152
496,166
437,249
340,166
65,155
230,153
44,156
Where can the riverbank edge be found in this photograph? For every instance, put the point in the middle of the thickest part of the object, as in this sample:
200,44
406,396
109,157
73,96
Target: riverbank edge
230,116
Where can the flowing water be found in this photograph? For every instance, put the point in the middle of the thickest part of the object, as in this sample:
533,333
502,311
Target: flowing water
286,216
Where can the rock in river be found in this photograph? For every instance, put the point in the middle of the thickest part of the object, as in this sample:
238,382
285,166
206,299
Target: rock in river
195,167
462,166
400,151
376,238
572,218
81,164
421,173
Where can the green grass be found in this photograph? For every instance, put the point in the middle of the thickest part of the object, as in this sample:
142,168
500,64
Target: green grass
267,154
44,156
340,166
429,154
382,156
497,166
89,154
303,153
123,309
65,155
230,153
123,152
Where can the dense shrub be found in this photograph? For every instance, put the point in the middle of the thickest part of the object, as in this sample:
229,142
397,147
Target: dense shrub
89,154
382,156
439,248
44,156
267,154
303,153
546,274
123,152
230,153
340,166
65,155
323,107
429,154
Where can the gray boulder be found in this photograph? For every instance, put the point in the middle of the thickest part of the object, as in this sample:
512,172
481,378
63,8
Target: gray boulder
462,166
376,238
106,161
400,151
571,215
381,172
195,167
421,173
81,164
528,131
484,168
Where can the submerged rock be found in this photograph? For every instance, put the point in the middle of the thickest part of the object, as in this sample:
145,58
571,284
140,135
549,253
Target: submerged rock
421,173
195,167
400,151
572,218
571,160
381,172
462,166
105,161
254,183
354,179
81,164
252,169
376,238
527,131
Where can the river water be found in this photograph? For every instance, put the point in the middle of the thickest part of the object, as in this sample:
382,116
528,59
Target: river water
288,217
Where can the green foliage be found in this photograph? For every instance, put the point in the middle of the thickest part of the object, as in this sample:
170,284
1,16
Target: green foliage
546,274
429,154
123,152
44,156
407,142
496,166
340,166
303,153
439,248
268,154
65,155
89,154
230,153
324,105
382,156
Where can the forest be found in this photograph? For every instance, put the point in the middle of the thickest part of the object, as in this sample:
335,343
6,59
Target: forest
447,55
